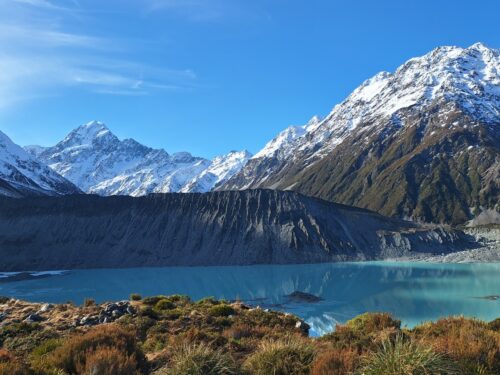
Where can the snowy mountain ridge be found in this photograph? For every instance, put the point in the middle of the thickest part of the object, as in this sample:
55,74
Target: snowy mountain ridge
467,76
440,108
21,173
94,159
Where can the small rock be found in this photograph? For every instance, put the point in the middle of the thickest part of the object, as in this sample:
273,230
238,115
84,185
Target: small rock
3,316
131,310
46,307
303,326
89,320
303,297
33,318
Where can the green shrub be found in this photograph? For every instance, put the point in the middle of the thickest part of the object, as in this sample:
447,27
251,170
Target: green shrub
373,322
208,301
289,356
200,359
46,347
153,300
402,357
494,325
18,329
135,297
221,310
173,314
179,298
165,304
147,311
365,332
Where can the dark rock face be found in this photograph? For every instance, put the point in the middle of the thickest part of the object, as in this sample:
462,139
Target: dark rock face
220,228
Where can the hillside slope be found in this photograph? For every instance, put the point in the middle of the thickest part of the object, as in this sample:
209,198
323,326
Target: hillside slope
247,227
422,142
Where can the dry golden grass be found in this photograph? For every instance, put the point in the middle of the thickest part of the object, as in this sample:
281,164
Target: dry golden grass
336,362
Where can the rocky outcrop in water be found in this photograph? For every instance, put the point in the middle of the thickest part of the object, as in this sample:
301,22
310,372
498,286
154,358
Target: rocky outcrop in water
220,228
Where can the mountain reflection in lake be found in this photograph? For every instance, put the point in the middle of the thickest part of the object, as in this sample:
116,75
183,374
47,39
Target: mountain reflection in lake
413,292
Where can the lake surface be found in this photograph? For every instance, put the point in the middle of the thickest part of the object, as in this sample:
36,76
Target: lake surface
413,292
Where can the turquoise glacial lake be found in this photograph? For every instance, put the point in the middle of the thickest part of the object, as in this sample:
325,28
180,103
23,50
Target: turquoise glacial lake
413,292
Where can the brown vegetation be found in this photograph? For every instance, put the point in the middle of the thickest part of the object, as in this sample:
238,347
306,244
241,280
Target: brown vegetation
172,335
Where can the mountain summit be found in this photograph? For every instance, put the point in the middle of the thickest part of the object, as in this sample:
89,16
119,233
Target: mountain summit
98,162
422,142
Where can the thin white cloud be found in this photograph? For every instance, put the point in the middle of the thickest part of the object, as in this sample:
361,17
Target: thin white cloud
36,36
41,56
46,4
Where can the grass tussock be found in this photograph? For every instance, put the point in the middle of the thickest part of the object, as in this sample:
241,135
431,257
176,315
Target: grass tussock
106,347
199,359
336,362
289,356
469,342
403,357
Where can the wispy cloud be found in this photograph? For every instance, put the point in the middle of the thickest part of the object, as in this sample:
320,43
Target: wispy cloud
40,55
197,10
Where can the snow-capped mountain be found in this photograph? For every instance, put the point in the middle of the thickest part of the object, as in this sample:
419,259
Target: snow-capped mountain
220,170
94,159
21,174
283,143
421,142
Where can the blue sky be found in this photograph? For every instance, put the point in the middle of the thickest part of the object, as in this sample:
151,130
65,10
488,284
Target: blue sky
208,76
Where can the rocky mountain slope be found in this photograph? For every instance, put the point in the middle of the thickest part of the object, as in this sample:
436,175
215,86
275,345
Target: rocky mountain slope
422,142
21,174
219,228
94,159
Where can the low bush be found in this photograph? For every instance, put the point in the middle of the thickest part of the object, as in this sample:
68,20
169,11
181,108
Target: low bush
200,359
289,356
208,301
173,314
239,331
108,361
336,362
76,351
221,310
6,356
165,304
402,357
18,329
179,298
46,347
135,297
365,332
9,364
153,300
373,322
89,302
149,312
13,368
468,341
